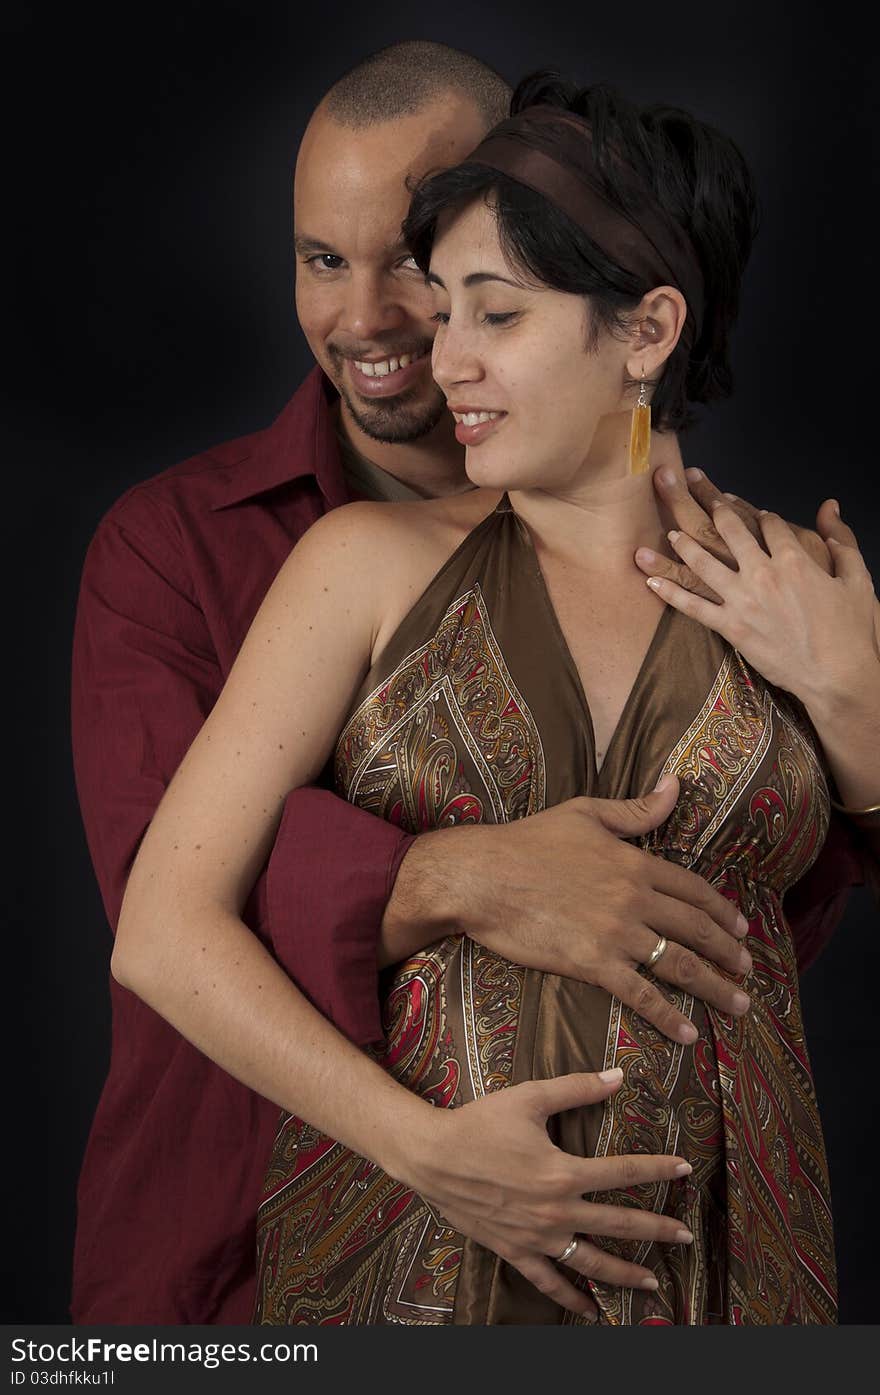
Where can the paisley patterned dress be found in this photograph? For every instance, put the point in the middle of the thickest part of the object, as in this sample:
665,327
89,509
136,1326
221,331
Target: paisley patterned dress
475,712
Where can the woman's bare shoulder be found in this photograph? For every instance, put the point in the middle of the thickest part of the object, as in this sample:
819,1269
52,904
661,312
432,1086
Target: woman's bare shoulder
455,512
380,552
392,535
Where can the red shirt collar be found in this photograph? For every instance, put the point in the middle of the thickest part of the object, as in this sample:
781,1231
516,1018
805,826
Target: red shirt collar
301,441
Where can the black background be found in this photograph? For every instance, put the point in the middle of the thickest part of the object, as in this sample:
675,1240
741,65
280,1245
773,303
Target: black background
147,183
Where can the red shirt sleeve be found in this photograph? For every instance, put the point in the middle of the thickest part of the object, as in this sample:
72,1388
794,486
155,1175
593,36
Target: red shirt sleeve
145,677
330,943
815,905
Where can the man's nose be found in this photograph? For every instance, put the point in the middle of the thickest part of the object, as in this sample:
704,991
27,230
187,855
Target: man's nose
371,306
454,358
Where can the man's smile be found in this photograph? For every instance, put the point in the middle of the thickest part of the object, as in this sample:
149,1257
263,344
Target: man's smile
385,377
381,367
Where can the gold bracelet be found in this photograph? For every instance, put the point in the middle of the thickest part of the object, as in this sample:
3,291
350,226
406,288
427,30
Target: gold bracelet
855,813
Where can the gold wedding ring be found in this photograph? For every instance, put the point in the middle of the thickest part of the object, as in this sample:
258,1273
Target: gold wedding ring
658,951
568,1251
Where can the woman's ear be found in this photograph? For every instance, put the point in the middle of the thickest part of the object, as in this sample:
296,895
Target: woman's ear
657,324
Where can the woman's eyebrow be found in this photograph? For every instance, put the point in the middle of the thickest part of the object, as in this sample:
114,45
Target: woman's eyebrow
475,278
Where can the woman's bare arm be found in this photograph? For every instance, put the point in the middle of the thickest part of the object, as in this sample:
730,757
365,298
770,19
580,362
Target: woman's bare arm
181,944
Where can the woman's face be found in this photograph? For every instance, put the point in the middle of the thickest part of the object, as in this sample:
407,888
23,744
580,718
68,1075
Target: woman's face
518,353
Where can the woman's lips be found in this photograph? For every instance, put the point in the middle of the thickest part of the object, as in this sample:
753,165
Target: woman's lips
474,424
383,383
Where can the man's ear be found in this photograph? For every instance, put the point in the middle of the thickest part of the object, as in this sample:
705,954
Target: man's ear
656,329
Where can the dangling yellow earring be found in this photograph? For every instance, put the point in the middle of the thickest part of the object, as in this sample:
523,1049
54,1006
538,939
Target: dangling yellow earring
640,431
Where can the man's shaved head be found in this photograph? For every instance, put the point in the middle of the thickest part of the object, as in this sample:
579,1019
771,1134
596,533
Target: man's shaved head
405,78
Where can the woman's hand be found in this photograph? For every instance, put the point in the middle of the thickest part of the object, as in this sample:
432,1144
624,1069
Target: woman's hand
689,498
490,1170
802,629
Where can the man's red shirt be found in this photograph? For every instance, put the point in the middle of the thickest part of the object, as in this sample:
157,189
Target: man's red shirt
172,580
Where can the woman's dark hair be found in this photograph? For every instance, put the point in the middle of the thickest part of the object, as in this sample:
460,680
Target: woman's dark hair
693,171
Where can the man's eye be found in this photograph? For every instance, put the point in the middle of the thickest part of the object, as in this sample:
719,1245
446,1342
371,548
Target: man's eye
325,261
441,317
500,319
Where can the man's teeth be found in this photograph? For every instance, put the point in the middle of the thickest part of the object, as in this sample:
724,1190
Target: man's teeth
384,366
474,418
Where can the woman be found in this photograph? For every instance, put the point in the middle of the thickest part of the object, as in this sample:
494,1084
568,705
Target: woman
480,669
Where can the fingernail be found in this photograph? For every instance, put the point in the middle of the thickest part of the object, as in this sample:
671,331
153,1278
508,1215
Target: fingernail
745,960
663,782
673,534
650,1282
682,1170
762,513
687,1033
731,497
716,504
836,507
654,582
694,474
611,1077
684,1237
665,475
645,557
741,1003
742,925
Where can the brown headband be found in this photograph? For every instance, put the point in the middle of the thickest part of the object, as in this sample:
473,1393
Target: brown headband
550,150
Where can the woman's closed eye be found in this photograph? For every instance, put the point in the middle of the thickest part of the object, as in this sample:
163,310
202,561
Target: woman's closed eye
441,317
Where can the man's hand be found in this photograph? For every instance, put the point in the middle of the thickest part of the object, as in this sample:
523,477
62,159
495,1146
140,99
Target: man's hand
689,497
562,892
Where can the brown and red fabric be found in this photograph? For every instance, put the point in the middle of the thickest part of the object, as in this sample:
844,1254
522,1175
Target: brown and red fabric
475,712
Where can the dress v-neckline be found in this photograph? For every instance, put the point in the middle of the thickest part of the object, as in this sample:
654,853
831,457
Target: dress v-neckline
595,772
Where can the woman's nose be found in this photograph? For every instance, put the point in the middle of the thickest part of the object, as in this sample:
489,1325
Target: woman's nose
454,358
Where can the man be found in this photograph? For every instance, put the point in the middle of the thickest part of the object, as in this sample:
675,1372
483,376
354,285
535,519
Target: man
173,578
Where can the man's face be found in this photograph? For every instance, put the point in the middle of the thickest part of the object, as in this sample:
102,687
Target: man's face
362,302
